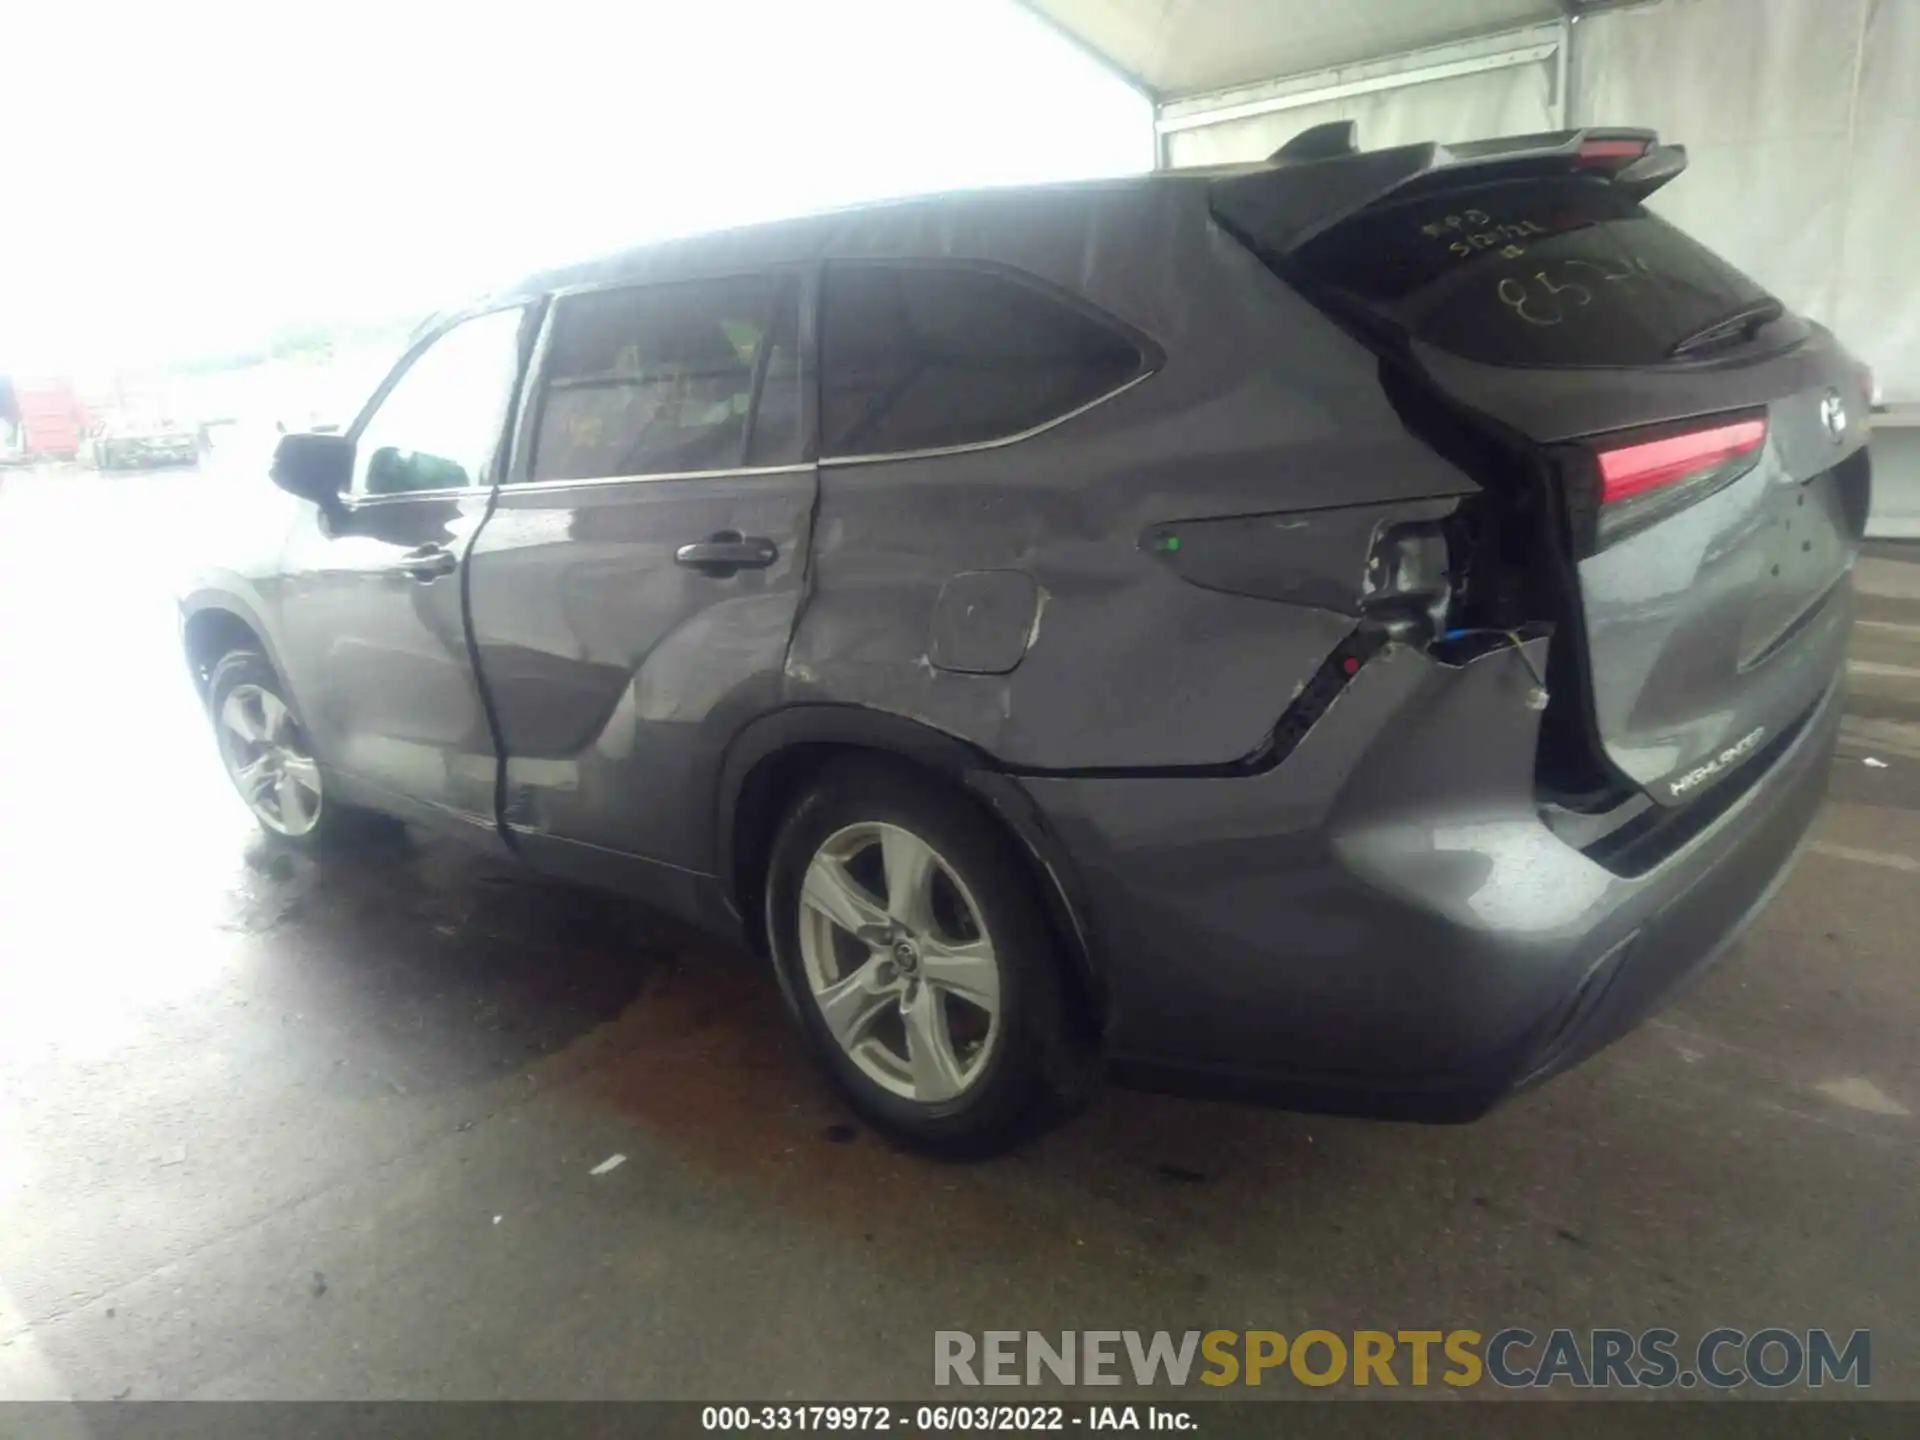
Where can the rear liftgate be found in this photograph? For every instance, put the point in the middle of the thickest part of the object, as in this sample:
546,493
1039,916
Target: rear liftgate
1672,466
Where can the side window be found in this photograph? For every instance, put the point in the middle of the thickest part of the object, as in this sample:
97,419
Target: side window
439,426
664,379
918,357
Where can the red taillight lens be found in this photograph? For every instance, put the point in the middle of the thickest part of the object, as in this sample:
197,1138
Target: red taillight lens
1635,469
1593,150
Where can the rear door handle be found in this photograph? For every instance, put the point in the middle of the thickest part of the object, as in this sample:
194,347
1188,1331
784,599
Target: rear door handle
727,551
425,563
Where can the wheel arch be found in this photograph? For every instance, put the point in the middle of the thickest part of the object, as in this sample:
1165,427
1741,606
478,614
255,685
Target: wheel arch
776,755
211,625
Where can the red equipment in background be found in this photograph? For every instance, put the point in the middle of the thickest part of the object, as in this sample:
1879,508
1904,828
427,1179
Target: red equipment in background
53,422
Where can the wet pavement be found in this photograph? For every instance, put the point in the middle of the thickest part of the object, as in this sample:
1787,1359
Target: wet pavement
278,1128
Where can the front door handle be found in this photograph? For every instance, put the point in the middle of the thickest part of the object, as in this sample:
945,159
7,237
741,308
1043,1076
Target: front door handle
726,551
425,563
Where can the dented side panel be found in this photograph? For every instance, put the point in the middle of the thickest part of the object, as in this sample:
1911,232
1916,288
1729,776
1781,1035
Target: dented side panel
1063,642
616,676
1125,663
1263,427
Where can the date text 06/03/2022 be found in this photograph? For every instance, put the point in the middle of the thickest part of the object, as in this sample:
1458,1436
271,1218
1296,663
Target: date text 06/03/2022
940,1419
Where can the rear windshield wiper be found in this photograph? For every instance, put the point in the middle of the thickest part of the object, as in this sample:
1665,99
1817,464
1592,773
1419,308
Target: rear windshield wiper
1742,322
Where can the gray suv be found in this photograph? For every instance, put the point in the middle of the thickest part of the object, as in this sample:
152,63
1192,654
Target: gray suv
1355,629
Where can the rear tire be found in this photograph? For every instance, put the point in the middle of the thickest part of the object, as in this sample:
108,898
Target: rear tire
917,956
270,760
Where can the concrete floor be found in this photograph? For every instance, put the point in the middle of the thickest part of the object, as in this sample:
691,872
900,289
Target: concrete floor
271,1128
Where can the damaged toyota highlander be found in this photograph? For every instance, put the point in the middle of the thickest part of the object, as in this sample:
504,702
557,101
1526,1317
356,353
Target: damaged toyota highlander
1355,630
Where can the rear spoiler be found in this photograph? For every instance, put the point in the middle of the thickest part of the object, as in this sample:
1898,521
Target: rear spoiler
1321,176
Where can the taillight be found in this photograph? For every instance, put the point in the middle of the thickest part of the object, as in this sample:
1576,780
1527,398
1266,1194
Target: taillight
1593,150
1634,469
1643,481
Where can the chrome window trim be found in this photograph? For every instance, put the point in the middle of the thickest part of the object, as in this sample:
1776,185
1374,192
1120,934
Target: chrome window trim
508,488
975,445
731,473
694,275
467,492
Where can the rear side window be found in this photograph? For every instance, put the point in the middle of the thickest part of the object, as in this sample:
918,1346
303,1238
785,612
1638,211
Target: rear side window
917,357
1535,271
665,379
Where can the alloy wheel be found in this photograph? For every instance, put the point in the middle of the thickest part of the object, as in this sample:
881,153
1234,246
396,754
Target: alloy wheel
266,754
899,961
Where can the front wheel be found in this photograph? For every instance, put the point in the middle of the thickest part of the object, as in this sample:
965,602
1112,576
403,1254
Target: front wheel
267,754
913,947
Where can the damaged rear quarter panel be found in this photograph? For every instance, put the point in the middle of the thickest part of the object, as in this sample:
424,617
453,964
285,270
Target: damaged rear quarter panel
1130,664
1260,406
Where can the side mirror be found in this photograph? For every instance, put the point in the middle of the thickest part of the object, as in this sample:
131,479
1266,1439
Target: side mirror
314,467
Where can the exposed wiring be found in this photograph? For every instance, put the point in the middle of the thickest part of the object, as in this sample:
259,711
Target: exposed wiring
1512,637
1527,660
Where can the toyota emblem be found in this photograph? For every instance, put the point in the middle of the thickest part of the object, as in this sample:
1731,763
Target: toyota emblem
1833,415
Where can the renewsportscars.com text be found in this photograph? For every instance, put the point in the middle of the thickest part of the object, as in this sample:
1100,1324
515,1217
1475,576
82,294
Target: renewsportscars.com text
1610,1359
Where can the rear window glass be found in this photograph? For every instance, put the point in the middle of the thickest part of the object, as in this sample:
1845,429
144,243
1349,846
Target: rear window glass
1533,272
920,357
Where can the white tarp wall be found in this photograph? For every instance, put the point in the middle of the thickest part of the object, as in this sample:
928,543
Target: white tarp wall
1801,119
1506,84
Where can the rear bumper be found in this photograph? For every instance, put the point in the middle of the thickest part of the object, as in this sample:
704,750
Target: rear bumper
1382,924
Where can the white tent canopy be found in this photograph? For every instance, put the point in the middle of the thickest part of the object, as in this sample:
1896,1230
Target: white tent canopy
1175,49
1800,115
1801,118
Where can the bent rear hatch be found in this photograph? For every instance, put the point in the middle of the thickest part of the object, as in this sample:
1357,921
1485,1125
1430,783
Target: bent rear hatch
1704,447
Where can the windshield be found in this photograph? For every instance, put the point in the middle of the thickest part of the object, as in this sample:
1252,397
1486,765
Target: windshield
1534,271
